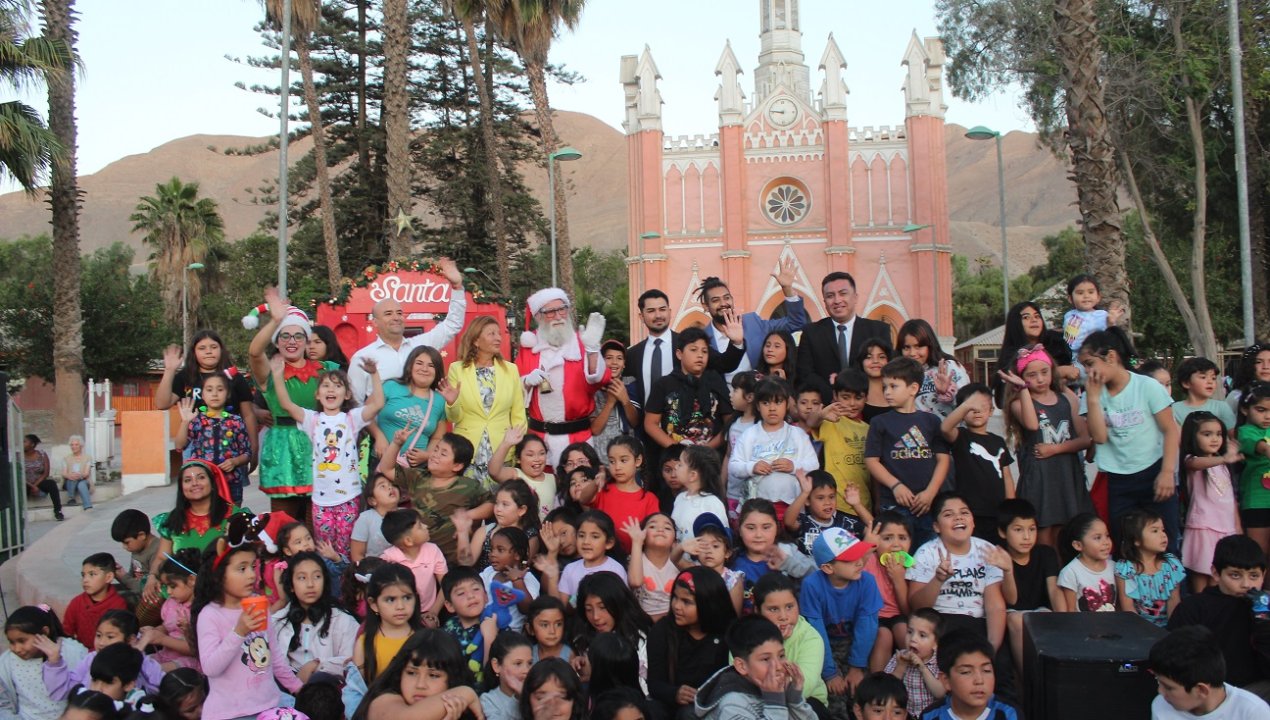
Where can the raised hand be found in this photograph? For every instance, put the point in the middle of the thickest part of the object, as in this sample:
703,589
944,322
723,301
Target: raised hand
327,550
462,520
277,364
448,391
852,495
173,358
370,366
277,304
776,557
786,273
52,649
804,482
944,569
998,557
733,327
185,406
550,541
1013,379
401,436
632,528
943,379
514,435
450,271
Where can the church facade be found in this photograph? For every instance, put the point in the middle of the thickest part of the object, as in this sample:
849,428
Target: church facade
786,176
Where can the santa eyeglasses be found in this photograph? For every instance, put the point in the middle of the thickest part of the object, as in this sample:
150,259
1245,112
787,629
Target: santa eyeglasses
555,311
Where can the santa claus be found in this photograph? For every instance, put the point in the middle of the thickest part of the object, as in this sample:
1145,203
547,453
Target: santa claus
561,371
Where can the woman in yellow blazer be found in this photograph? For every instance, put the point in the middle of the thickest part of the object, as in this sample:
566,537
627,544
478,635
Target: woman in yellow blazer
490,399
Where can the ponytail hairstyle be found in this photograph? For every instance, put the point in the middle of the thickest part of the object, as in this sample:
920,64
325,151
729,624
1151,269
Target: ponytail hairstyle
1251,395
1246,368
35,620
1102,343
632,443
388,575
1074,531
517,539
320,612
504,643
705,462
122,620
353,585
93,701
181,564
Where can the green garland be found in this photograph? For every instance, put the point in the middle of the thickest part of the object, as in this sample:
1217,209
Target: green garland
372,273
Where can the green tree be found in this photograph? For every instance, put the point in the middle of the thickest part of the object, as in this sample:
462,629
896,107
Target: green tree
124,327
529,27
27,146
182,228
68,338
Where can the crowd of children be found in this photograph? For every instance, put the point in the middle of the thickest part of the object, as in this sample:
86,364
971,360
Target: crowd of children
776,551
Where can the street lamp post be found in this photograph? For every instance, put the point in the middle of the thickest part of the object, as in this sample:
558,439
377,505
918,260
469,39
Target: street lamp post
934,266
980,132
185,302
564,154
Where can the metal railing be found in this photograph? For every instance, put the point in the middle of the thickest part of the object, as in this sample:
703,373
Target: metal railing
12,512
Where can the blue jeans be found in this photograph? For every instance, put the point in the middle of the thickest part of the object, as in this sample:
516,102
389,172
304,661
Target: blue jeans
1137,490
82,489
923,525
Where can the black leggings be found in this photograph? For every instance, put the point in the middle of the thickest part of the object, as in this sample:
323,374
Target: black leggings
50,488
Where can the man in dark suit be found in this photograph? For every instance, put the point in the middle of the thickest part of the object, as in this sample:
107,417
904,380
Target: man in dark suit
653,358
830,344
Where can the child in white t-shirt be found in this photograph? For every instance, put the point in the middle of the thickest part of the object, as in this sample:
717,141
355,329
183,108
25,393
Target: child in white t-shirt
1088,582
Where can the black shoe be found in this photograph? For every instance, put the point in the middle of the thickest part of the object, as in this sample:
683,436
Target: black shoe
60,517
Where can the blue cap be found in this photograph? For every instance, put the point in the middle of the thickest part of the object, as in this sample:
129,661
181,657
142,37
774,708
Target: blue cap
705,520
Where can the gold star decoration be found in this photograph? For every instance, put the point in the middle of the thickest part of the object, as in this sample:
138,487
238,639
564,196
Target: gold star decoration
404,220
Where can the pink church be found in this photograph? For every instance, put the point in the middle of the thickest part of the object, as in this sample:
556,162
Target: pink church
786,176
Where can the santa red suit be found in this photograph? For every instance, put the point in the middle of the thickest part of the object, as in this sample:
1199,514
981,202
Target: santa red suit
560,410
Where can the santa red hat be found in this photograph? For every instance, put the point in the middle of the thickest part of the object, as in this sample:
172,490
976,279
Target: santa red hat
295,317
534,304
274,523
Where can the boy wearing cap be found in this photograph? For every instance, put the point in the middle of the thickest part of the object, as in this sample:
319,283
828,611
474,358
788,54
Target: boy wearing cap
842,602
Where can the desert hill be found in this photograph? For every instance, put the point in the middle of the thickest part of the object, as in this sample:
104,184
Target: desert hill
1039,200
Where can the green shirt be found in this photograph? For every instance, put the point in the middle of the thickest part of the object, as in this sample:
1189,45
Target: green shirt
806,649
437,504
1253,493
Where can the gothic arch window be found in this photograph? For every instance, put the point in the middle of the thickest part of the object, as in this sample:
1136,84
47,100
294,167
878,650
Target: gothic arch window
786,201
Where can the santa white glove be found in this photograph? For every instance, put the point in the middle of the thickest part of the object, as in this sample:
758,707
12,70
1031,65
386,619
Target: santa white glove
593,333
534,378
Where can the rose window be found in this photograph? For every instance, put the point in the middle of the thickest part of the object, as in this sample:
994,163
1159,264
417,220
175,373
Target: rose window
786,204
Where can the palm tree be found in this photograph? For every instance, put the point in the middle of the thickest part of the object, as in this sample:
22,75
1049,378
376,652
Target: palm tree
529,26
1090,142
27,146
182,228
68,338
468,13
305,17
396,122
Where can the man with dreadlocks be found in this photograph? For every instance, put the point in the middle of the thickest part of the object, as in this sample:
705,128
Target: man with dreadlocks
717,300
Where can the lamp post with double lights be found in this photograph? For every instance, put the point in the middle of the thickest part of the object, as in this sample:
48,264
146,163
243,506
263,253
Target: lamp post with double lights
564,154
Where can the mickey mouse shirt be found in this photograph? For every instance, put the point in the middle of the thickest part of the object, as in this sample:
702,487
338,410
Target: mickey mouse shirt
336,476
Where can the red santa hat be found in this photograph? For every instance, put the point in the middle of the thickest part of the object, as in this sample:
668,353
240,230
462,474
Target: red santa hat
274,522
251,320
534,304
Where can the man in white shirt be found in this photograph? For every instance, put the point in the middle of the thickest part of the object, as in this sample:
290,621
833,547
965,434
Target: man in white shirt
1190,673
390,349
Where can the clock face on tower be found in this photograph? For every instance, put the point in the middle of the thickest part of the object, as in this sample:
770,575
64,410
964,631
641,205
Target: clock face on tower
782,112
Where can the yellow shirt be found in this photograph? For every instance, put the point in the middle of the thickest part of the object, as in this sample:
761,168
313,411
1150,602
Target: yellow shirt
386,649
844,458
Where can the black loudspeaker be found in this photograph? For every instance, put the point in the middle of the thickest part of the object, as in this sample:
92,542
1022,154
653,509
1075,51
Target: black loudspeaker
1088,665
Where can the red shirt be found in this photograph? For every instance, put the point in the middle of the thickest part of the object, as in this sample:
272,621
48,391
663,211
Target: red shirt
622,506
82,615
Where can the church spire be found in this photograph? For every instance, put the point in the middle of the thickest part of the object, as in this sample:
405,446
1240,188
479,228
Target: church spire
780,57
833,92
730,96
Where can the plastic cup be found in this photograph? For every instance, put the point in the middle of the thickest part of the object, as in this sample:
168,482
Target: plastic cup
254,603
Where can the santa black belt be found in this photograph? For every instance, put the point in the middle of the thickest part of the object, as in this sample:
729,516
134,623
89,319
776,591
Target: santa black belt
562,428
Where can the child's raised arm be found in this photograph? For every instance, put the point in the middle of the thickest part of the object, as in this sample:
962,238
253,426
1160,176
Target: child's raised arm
276,366
948,428
264,336
375,401
635,565
188,413
855,502
388,461
498,469
800,502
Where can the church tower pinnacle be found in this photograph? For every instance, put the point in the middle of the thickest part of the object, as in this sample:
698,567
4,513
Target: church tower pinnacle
780,57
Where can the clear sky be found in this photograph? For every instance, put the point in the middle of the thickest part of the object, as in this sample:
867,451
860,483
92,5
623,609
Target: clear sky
156,70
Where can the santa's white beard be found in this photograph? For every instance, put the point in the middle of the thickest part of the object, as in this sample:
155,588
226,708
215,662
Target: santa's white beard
556,333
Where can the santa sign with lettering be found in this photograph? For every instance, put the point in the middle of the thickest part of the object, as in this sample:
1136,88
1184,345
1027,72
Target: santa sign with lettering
424,297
